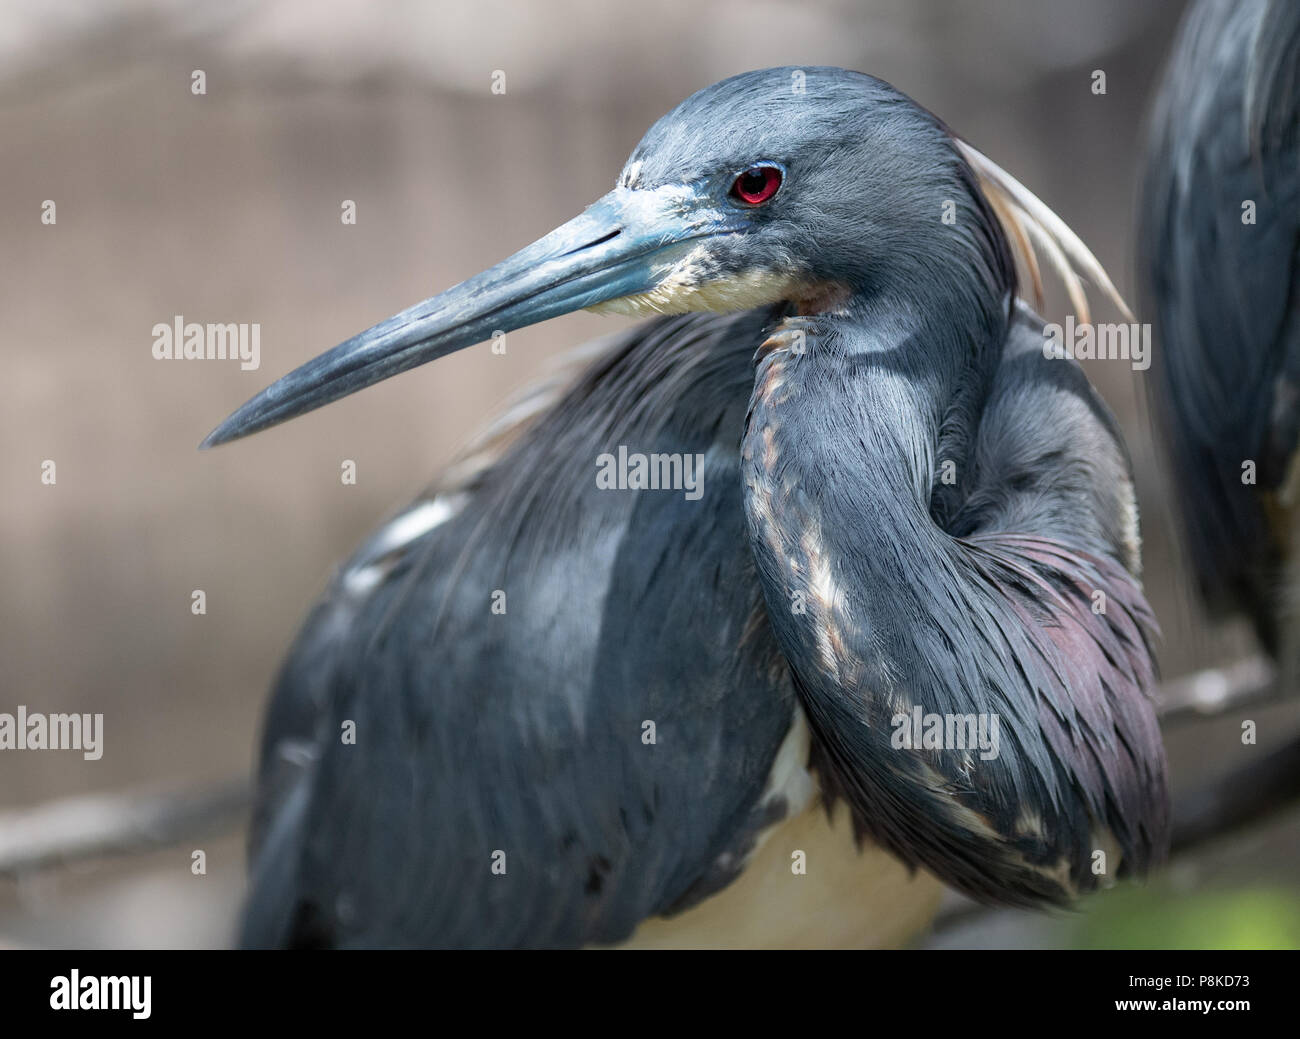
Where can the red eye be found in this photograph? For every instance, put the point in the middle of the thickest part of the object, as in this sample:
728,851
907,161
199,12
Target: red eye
757,184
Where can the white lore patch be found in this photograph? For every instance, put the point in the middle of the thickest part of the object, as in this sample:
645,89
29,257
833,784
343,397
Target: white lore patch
690,286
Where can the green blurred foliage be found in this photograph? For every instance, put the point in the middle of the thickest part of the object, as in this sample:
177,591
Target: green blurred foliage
1154,918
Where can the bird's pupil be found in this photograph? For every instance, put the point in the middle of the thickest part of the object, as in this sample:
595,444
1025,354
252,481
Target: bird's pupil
757,184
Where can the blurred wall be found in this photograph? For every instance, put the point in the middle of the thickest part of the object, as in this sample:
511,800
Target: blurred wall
225,207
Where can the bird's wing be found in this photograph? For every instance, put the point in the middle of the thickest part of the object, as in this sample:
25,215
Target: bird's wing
1220,245
989,620
532,710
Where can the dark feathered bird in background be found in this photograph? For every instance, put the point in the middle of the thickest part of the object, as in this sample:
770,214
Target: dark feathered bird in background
905,506
1220,256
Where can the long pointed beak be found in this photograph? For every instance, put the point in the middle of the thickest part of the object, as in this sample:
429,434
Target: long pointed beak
622,245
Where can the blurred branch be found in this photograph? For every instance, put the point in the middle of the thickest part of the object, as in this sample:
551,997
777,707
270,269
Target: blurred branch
76,828
1243,796
1217,690
1249,793
113,824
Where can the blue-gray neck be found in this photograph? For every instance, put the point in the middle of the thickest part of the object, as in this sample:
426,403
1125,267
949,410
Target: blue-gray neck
881,612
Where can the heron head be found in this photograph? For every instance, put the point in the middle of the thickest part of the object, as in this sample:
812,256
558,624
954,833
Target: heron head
814,185
806,185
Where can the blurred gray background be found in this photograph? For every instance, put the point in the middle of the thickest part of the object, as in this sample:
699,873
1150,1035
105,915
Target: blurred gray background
226,208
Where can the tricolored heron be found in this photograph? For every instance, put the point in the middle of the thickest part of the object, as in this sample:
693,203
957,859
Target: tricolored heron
906,510
1220,245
